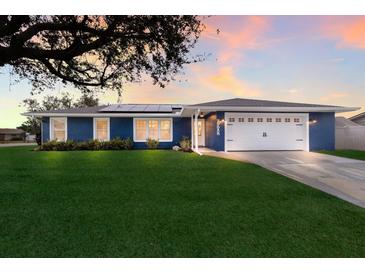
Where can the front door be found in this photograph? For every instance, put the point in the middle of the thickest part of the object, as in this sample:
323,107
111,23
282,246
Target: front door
201,132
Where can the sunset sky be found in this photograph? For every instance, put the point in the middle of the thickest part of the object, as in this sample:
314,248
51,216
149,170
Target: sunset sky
313,59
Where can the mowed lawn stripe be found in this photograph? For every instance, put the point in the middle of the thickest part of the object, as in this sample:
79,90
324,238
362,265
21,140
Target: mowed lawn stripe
165,204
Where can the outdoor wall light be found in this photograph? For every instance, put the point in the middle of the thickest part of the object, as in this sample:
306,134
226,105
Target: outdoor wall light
312,121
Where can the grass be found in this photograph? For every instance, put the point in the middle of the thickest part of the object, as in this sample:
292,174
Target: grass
354,154
165,204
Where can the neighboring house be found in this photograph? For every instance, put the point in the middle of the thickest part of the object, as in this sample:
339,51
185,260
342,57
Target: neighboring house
359,119
11,134
227,125
31,138
349,135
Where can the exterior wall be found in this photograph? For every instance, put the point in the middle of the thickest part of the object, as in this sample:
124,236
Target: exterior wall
45,129
360,120
214,140
181,127
121,127
322,133
80,128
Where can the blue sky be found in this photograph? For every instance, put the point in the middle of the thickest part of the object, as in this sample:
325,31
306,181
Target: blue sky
314,59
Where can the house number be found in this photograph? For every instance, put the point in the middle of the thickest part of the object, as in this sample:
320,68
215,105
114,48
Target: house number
264,134
218,128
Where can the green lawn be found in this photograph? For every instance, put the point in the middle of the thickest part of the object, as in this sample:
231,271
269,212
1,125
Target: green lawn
165,204
354,154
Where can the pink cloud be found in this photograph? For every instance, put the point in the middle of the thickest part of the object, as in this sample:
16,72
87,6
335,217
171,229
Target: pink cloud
235,34
237,31
226,81
348,31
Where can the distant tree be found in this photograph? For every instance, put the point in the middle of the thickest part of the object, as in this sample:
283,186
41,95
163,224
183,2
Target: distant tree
97,51
65,101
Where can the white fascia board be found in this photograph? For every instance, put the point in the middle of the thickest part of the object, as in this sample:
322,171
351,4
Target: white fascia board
142,115
274,109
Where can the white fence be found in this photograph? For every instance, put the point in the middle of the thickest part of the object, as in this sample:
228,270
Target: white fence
350,138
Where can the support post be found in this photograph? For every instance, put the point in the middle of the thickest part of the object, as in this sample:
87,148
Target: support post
196,130
192,132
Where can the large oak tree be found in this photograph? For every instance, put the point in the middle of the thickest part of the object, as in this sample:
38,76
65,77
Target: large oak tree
97,51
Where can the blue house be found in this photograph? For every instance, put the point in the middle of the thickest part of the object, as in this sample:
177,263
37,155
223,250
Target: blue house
226,125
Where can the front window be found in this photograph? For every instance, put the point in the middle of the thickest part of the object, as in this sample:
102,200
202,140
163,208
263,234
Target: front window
141,129
157,129
58,129
153,129
101,129
165,130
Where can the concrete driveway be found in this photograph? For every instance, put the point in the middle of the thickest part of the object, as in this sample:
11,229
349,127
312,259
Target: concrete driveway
341,177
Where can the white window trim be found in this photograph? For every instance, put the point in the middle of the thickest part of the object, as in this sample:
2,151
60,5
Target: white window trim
51,137
94,126
159,123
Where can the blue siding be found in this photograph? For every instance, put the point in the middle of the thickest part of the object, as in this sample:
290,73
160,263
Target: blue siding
45,129
181,127
322,133
212,139
121,127
80,128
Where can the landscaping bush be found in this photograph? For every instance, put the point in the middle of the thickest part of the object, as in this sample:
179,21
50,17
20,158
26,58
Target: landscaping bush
51,145
114,144
152,143
128,143
64,146
185,144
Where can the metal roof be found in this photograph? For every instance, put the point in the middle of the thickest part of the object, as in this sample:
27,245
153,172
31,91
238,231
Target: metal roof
343,122
240,102
360,115
74,110
141,108
11,131
236,104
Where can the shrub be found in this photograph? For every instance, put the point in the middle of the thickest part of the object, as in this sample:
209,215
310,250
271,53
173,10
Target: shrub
128,143
49,146
152,143
64,146
114,144
185,144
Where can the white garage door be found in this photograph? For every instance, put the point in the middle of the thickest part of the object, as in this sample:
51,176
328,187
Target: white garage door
266,131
